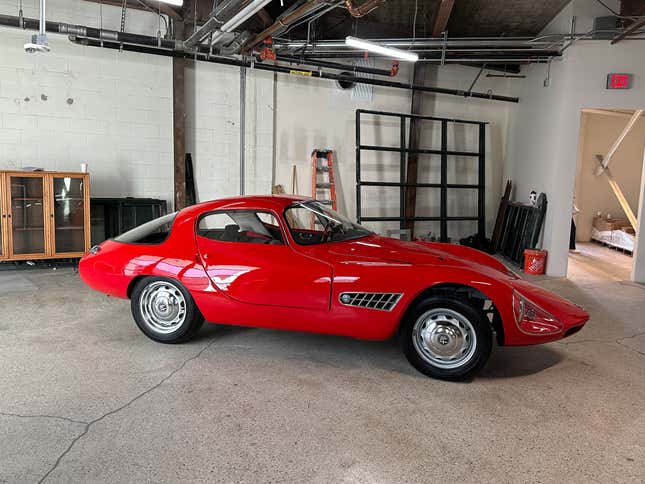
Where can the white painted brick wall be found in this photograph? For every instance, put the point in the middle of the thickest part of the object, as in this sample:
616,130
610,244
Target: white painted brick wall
213,130
120,121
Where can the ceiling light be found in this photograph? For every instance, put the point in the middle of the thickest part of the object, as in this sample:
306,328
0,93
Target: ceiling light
243,15
380,49
174,3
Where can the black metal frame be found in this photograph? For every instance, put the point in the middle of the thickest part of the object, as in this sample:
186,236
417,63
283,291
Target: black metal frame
443,185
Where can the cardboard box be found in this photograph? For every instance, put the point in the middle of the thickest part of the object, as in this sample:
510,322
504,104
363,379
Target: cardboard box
604,224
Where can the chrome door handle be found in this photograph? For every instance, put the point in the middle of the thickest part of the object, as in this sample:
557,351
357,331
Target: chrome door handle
205,256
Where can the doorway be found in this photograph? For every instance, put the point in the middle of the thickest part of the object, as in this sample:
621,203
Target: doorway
607,194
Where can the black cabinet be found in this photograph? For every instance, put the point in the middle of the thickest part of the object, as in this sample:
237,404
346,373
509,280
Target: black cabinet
113,216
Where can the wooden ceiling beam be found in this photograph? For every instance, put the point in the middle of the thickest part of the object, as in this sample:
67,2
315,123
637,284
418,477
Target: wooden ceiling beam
442,17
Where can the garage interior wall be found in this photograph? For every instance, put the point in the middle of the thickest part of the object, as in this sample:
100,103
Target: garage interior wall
75,104
593,193
543,131
318,114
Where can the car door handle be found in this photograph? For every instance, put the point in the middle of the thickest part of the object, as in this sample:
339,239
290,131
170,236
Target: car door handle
205,256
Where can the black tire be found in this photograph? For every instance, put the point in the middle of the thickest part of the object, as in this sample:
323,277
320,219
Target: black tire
170,294
449,319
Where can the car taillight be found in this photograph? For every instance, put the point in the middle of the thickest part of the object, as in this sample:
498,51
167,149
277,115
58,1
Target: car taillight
531,318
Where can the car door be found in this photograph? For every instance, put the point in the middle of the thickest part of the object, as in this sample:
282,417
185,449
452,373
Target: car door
247,257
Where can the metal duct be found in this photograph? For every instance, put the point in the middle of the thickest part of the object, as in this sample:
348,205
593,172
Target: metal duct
218,17
284,21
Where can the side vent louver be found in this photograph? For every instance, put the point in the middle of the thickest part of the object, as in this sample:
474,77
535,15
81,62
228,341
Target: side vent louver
384,301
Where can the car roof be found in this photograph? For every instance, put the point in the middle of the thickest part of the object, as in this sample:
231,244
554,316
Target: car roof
272,202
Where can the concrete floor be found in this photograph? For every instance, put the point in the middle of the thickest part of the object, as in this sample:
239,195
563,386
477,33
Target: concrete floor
85,397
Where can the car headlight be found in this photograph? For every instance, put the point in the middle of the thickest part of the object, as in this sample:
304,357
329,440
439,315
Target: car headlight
531,318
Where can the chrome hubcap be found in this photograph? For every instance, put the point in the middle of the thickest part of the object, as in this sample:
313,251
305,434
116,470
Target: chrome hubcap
163,307
444,338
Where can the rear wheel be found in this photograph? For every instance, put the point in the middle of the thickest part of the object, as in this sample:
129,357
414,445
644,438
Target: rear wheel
446,338
164,310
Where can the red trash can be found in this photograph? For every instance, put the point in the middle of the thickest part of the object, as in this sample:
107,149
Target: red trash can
534,261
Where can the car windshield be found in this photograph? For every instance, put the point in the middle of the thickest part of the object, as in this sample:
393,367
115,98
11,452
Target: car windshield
312,223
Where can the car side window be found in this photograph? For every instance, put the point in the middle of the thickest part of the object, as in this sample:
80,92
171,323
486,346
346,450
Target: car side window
245,226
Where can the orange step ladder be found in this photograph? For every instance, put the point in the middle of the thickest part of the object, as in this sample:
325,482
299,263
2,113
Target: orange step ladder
320,183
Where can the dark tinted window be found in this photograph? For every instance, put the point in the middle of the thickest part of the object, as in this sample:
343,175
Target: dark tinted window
153,232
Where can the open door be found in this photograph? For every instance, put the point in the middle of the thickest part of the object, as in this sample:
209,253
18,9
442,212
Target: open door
247,257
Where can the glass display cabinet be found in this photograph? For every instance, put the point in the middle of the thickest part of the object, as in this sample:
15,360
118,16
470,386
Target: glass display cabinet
45,215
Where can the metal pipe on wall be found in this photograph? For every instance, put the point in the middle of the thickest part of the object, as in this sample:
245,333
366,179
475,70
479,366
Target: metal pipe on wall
335,65
154,45
306,73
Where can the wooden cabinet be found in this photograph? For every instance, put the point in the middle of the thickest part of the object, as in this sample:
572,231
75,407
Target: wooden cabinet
45,215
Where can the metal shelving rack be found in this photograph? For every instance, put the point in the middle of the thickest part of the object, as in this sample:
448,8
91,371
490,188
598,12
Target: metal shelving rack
444,186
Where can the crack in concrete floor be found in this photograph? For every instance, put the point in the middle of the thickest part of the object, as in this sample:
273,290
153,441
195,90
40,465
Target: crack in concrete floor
88,425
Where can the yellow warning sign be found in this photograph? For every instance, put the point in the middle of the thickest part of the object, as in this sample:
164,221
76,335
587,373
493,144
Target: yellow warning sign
300,73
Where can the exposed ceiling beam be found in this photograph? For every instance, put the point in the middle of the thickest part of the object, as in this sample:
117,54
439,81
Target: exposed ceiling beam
265,17
637,24
442,17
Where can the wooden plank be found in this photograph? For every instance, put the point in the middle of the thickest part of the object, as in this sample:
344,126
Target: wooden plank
621,198
442,17
604,163
416,107
501,212
179,125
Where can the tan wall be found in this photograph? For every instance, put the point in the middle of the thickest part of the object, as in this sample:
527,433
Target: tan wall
593,193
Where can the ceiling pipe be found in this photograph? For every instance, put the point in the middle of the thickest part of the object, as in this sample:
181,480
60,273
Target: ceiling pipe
155,45
283,22
83,31
222,13
339,66
364,9
205,56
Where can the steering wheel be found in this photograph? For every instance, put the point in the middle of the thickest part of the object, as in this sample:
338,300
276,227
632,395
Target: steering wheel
329,230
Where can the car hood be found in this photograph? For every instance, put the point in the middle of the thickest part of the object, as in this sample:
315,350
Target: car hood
387,250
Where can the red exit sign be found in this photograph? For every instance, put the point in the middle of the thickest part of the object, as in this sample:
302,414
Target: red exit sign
619,81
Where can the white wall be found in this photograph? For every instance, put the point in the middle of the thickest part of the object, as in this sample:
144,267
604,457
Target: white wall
544,130
213,129
313,113
120,120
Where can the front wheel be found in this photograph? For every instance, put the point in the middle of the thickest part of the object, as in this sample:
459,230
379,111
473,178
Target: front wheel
164,310
446,338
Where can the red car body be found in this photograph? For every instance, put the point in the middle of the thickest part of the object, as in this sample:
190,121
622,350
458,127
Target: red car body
298,287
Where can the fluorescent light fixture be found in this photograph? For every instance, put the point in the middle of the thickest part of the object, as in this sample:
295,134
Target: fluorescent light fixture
174,3
243,15
380,49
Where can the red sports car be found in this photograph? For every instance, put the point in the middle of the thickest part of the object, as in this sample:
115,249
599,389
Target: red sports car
292,263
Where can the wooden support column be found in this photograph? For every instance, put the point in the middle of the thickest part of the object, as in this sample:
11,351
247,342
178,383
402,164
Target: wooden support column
413,144
442,16
179,126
